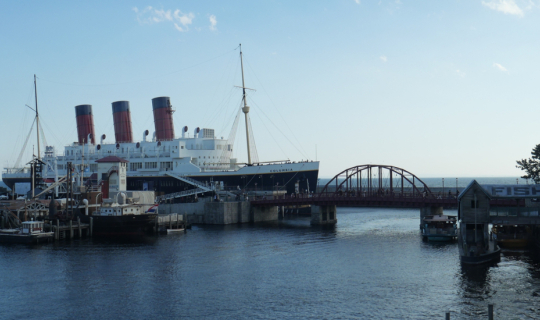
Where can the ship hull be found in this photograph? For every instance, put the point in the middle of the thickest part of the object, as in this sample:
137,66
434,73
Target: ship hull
123,226
289,181
307,180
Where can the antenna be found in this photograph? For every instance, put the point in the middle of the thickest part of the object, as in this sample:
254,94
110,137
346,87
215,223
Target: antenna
37,119
245,109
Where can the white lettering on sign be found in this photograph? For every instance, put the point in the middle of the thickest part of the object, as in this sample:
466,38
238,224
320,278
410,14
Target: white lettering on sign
513,191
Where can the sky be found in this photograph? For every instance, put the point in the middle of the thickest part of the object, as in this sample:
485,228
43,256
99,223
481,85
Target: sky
439,88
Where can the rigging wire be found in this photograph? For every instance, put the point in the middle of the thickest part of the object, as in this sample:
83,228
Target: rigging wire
139,80
24,122
51,132
224,78
233,114
274,105
227,152
272,136
252,145
18,162
286,137
44,142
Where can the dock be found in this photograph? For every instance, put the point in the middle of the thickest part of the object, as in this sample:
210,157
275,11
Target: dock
71,229
170,223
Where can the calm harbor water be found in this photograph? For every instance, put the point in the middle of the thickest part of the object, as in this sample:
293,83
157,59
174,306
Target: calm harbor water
372,265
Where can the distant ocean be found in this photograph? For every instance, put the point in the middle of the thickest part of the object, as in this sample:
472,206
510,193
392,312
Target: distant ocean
462,182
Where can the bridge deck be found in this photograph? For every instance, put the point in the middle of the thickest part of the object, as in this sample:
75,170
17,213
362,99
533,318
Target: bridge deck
390,201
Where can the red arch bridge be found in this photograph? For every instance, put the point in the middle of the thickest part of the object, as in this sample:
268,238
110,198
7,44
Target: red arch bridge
372,185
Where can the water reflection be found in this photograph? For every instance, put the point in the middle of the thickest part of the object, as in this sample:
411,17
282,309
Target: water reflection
372,264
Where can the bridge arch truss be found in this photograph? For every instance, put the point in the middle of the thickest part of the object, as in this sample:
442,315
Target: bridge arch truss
377,180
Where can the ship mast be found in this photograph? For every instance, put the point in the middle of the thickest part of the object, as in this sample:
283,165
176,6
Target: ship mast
245,109
37,120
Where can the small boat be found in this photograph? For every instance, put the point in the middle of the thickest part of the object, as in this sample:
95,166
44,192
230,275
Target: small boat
179,230
114,219
439,227
511,236
484,250
29,232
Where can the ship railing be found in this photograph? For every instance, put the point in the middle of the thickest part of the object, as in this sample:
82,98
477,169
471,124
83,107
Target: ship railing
17,170
378,194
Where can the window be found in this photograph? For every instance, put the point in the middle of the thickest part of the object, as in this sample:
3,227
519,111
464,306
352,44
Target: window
150,165
474,204
134,166
165,165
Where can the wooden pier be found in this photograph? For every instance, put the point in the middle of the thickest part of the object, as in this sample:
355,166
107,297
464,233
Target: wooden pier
71,229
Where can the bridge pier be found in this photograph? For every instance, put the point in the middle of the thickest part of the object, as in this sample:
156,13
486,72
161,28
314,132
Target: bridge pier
428,211
321,215
264,213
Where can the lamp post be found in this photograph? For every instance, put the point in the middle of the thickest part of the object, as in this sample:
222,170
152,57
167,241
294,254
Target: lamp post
443,186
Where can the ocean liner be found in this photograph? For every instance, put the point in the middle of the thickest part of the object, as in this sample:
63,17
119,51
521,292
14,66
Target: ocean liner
166,163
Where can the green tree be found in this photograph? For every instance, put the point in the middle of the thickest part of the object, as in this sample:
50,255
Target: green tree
531,166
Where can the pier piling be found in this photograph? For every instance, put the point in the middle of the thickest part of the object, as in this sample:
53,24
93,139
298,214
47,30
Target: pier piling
490,311
91,226
70,229
79,226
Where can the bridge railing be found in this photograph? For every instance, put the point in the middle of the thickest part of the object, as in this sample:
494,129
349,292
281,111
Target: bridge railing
386,195
358,196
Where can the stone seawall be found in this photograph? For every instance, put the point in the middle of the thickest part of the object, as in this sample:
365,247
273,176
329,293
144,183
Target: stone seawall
220,213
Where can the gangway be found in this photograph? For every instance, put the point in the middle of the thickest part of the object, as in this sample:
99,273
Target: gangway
191,181
181,194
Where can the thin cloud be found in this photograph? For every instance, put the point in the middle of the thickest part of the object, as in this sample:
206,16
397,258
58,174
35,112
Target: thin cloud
213,23
357,1
500,67
383,58
460,73
185,19
150,15
504,6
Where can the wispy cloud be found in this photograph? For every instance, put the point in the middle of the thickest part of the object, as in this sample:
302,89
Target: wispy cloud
357,1
150,15
500,67
185,19
505,6
460,73
213,23
383,58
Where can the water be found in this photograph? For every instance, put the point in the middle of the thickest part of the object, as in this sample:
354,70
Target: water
372,265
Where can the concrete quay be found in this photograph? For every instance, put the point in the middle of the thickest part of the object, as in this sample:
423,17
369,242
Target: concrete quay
221,213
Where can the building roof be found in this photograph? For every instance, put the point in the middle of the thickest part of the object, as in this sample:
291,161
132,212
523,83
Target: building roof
111,159
474,184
